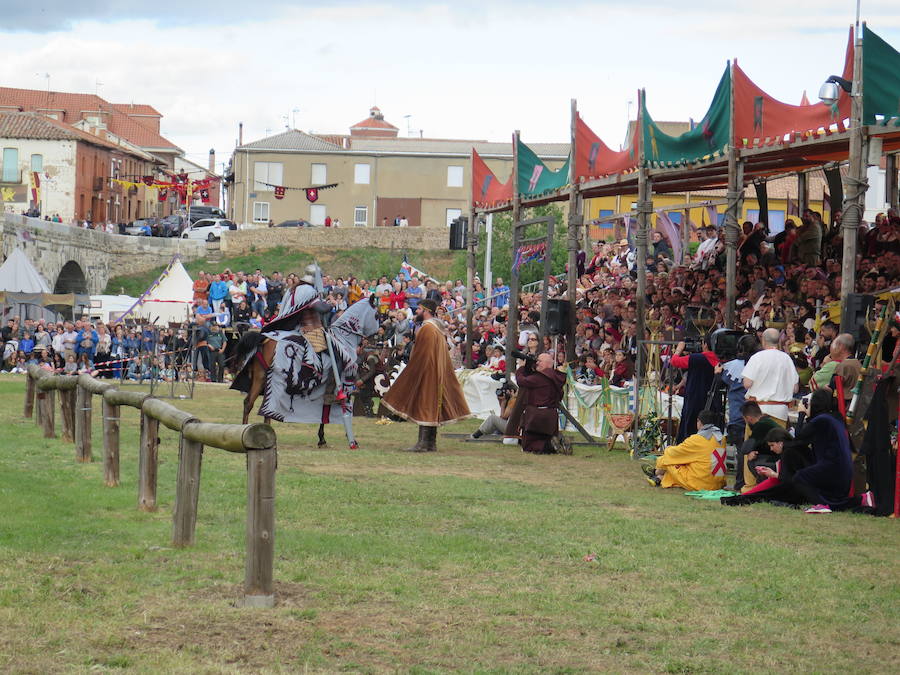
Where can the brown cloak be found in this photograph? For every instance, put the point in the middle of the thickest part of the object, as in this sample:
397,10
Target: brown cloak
427,391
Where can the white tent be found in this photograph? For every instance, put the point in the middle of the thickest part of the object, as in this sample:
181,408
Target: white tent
108,308
169,298
19,276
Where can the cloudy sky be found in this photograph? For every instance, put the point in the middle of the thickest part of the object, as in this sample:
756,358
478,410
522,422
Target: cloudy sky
460,70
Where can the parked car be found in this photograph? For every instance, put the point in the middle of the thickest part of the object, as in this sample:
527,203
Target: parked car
209,229
140,228
173,226
295,223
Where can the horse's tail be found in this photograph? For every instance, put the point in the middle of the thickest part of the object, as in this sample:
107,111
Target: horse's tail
247,346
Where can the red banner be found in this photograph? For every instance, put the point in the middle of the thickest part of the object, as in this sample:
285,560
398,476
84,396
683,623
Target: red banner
761,120
279,192
312,194
487,191
595,159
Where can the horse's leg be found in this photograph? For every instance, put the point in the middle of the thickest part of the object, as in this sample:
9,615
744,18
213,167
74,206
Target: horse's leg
257,379
322,442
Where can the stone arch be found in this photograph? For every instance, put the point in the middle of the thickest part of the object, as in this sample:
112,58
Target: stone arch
71,279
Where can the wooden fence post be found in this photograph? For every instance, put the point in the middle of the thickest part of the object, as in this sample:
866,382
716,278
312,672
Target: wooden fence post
48,414
148,463
82,424
67,413
29,395
187,492
110,444
258,586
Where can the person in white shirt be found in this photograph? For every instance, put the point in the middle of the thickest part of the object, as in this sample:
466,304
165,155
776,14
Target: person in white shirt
707,246
770,378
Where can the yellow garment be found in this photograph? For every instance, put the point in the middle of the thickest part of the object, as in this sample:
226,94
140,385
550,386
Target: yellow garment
689,464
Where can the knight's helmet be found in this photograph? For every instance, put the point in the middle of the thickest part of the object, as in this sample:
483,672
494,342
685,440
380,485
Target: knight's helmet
312,275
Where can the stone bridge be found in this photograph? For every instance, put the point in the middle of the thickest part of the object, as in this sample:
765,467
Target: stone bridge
75,260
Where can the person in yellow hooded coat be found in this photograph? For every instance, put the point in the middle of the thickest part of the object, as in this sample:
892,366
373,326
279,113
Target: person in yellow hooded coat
698,462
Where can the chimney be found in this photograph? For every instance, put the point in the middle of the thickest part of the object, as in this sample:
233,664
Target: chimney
240,133
212,160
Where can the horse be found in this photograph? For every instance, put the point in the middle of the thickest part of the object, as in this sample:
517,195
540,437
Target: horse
258,351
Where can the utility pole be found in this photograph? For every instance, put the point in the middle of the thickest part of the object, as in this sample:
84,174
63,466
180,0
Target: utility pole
512,320
575,222
855,183
471,243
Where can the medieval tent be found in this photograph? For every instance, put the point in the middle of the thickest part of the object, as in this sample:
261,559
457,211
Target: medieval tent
169,299
23,288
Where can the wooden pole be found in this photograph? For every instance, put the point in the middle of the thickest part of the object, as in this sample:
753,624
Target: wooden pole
187,492
470,284
891,188
82,424
47,402
110,443
545,297
732,233
641,235
802,191
148,463
686,233
258,586
576,221
512,321
854,184
29,396
67,413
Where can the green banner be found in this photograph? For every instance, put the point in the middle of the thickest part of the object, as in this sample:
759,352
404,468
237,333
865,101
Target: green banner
880,79
709,137
534,176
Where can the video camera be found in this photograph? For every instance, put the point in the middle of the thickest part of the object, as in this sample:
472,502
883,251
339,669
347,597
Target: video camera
725,343
527,358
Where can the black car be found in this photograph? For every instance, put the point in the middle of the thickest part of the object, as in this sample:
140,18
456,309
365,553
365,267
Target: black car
172,226
201,211
295,223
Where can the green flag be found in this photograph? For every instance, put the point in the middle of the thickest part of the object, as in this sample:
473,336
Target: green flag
881,79
709,136
534,176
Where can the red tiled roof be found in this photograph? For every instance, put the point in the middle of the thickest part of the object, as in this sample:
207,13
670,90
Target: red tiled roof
373,123
73,105
138,109
37,126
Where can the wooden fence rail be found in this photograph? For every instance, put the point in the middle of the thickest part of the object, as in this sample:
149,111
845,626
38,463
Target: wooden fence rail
257,441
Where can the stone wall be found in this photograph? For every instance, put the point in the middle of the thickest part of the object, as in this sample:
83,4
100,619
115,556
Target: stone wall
414,238
100,256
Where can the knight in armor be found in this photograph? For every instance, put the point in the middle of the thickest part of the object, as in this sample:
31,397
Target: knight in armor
371,365
427,391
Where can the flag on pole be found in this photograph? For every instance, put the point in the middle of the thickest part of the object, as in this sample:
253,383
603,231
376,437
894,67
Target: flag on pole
671,231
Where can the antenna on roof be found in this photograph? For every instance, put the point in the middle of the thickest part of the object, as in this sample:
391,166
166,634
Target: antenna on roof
47,77
97,85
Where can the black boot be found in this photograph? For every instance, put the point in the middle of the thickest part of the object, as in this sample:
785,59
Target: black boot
420,444
430,439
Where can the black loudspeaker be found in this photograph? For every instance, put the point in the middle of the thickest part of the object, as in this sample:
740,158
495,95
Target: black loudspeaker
557,316
459,233
853,320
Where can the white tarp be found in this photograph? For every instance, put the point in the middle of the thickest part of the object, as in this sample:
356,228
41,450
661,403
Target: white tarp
480,390
110,307
169,298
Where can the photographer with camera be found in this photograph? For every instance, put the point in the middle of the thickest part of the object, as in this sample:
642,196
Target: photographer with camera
700,374
496,424
540,393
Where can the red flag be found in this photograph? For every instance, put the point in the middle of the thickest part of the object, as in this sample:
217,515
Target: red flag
312,194
162,195
204,195
148,180
279,192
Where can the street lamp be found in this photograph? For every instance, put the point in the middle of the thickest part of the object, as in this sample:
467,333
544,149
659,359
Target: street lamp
829,92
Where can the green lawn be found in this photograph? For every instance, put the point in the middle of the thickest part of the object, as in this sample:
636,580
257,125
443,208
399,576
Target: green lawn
468,559
362,263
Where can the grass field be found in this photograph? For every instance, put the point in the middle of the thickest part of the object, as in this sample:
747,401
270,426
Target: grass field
362,263
468,559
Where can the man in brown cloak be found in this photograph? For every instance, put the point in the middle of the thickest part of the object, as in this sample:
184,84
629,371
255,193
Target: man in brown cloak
427,391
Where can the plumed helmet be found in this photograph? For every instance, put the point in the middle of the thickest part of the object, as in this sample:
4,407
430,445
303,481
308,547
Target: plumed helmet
309,274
